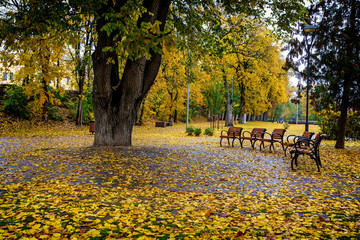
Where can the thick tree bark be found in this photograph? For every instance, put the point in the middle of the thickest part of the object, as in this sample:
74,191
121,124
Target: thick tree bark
81,81
266,116
229,102
349,77
340,140
45,59
117,100
242,102
242,119
139,120
175,116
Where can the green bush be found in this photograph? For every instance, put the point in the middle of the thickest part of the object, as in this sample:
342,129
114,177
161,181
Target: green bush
209,131
286,125
54,114
190,131
61,95
16,103
329,124
87,106
197,131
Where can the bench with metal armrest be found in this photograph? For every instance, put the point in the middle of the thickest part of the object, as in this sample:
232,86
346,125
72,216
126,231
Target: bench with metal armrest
276,136
306,146
232,133
291,139
256,133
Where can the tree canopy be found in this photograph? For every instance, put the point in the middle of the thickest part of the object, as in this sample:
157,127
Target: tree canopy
334,60
128,43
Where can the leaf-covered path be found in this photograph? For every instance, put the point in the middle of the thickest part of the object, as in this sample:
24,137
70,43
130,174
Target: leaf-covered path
169,185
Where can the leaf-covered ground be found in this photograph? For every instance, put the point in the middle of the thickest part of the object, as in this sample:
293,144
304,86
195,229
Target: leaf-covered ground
54,185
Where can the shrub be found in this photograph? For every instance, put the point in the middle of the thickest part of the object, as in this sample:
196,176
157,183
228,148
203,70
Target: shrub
197,131
58,94
190,131
54,114
209,131
87,106
286,125
329,124
16,103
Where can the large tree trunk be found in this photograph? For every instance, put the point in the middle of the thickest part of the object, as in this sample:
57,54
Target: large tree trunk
266,116
242,118
349,77
117,100
45,59
81,82
229,102
139,120
340,140
175,116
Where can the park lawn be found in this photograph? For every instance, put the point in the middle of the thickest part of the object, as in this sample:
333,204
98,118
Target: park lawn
54,185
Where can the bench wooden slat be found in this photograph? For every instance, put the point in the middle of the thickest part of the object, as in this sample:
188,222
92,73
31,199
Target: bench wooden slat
275,137
232,133
306,146
252,136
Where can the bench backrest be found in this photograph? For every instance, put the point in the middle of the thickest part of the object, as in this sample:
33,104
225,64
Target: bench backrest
278,133
318,139
258,132
313,144
235,131
308,134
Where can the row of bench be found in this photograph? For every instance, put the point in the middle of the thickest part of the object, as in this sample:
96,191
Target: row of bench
297,145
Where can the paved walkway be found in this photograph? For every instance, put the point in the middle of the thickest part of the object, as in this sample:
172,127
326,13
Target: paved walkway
179,164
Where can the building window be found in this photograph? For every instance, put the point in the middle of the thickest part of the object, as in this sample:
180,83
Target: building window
4,76
11,77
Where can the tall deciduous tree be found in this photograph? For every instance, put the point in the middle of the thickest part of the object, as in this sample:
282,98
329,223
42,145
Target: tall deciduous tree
258,70
80,49
132,31
338,44
40,64
335,61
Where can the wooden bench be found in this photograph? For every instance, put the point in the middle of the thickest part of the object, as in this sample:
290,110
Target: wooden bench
306,146
276,136
291,140
252,136
232,133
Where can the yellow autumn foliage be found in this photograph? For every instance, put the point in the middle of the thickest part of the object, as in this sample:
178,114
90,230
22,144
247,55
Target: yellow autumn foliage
170,186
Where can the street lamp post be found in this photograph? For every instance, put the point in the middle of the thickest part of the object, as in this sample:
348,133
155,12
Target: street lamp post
307,30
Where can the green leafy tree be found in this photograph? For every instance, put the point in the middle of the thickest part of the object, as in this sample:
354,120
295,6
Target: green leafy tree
335,71
130,33
80,49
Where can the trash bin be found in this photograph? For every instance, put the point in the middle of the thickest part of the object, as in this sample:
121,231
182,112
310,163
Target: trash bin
92,127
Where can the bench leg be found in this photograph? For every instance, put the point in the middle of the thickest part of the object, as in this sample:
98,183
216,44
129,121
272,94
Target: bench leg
234,141
272,145
282,145
262,144
316,161
241,142
318,158
286,148
253,143
294,160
